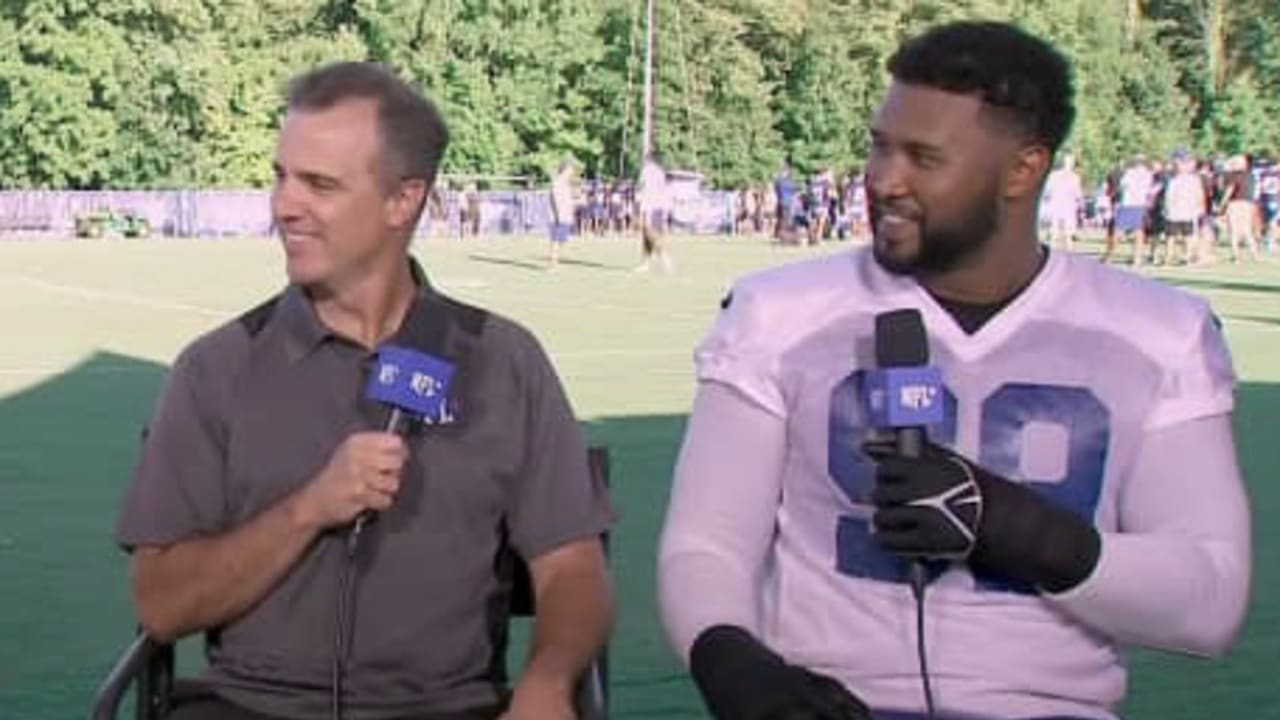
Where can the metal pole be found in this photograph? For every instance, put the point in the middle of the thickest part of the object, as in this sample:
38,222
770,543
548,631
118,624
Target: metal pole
647,139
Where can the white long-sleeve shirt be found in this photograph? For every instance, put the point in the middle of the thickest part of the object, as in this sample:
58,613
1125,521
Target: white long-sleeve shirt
1119,412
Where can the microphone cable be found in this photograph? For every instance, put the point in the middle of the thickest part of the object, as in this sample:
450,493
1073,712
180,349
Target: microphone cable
919,579
344,620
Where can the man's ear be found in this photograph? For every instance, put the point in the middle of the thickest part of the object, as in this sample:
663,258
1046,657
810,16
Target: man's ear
1026,172
406,202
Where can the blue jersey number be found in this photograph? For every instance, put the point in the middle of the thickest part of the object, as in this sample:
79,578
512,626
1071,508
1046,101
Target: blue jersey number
1005,415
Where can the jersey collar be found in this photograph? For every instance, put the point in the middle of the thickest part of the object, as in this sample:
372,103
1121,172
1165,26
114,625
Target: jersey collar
905,291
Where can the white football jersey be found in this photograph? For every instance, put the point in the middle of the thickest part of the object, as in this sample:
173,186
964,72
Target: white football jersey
1057,390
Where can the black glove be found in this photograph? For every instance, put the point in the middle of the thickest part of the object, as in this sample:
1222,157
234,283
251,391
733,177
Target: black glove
741,679
943,506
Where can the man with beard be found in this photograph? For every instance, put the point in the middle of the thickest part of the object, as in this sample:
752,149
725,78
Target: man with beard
1081,495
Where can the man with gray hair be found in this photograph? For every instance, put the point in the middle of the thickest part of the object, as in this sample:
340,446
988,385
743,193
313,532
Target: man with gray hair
264,450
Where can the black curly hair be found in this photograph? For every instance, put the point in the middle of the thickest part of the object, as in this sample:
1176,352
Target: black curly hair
1023,80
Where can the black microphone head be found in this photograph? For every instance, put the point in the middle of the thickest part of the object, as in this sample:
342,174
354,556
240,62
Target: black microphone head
900,339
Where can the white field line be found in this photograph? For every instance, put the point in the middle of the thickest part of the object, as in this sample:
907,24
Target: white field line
85,293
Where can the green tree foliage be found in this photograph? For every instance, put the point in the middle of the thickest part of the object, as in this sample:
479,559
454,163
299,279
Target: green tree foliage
159,93
1242,120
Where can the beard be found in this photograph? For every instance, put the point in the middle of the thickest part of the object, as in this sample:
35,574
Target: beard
943,243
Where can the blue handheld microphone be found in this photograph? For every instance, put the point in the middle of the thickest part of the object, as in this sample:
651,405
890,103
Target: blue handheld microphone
413,385
904,393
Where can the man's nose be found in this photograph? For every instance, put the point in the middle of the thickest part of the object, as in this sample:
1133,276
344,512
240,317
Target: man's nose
285,202
887,177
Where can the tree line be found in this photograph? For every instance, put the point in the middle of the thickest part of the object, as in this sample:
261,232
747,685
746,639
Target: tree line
187,93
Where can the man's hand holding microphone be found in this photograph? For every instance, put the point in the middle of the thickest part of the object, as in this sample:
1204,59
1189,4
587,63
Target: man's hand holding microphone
363,474
932,503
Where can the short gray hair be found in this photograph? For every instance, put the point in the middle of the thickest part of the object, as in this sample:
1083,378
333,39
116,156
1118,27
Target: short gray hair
413,134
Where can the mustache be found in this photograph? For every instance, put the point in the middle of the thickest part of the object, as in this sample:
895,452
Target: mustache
885,206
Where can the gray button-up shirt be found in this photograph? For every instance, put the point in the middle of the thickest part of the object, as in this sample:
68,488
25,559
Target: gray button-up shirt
253,410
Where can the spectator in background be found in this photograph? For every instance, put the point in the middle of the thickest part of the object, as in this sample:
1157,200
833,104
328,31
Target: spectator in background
1102,214
1156,225
1135,190
436,206
1268,186
562,210
629,205
614,200
760,202
1184,209
819,215
609,209
747,215
1237,208
654,198
450,205
787,198
1061,203
595,207
470,221
1210,184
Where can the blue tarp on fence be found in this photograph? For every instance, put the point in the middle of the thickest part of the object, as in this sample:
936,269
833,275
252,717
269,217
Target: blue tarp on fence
224,213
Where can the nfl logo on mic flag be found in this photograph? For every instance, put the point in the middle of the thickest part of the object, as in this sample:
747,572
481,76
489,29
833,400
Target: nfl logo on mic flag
416,383
905,397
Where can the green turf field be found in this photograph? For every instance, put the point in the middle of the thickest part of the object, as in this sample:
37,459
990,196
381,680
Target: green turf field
89,327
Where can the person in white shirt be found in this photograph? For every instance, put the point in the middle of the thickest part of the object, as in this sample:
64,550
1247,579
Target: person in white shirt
1060,205
1239,212
1184,209
562,209
655,212
1081,495
1136,186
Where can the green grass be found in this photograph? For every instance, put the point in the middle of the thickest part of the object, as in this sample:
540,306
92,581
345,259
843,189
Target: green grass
89,327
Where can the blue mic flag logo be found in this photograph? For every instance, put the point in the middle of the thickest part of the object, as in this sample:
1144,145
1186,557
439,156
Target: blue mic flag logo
904,396
415,382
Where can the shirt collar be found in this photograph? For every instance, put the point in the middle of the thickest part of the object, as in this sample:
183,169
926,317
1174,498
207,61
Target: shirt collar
303,330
